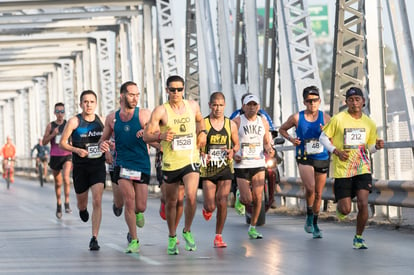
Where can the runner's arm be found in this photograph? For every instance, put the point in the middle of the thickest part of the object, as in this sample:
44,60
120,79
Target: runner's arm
234,139
267,140
291,122
104,141
70,126
144,117
152,131
47,136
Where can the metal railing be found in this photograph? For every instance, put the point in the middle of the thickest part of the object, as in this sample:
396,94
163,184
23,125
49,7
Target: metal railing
389,193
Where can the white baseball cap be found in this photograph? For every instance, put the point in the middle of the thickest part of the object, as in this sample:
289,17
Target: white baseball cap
251,98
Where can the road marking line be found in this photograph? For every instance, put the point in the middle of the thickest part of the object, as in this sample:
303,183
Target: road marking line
134,255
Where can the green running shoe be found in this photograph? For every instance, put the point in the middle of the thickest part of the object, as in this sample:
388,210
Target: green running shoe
309,224
189,241
140,220
238,206
317,234
133,247
340,216
359,243
172,246
253,234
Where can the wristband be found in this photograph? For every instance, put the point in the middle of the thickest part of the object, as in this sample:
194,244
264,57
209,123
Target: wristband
203,131
159,137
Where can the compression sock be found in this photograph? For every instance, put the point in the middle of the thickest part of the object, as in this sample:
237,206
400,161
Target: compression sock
315,218
309,211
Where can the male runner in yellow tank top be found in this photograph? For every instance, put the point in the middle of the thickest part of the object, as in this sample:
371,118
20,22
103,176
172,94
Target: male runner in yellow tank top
179,126
216,169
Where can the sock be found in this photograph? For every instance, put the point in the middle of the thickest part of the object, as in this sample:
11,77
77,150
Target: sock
252,227
309,210
358,236
315,219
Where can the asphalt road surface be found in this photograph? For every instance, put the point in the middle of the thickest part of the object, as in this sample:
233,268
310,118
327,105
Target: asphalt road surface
33,241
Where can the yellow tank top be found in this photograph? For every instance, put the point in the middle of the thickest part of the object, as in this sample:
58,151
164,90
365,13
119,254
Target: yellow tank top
217,141
182,150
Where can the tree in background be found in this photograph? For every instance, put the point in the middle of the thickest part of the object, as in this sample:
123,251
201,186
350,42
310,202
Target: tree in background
391,67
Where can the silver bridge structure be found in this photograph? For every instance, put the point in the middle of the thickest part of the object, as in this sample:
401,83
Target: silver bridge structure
51,51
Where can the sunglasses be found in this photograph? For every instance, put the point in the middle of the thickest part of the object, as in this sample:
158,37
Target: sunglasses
59,111
173,90
312,100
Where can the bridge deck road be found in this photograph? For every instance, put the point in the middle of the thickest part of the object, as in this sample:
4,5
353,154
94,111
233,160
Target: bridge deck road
33,241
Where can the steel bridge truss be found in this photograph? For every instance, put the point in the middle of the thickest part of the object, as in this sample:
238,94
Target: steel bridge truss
301,48
168,45
349,51
192,87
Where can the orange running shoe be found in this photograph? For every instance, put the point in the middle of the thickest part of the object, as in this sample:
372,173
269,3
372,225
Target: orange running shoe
218,241
162,211
207,215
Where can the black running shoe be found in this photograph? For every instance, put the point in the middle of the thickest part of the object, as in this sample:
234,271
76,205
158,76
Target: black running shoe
93,244
84,215
59,211
117,211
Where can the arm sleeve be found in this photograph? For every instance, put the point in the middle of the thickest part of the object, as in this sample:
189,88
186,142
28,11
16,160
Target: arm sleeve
324,140
372,149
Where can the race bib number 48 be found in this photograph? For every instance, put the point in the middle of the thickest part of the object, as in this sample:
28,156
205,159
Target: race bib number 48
93,150
181,143
313,146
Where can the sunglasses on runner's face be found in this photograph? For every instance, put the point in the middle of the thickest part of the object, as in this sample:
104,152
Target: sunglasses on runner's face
312,100
174,90
59,111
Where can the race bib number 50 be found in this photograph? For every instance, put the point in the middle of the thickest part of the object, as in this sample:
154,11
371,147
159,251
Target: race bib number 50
93,150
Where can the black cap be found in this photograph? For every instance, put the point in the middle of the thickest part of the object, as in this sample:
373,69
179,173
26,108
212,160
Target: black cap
311,90
354,91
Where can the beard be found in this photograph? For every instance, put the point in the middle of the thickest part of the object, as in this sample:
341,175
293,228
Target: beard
129,105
